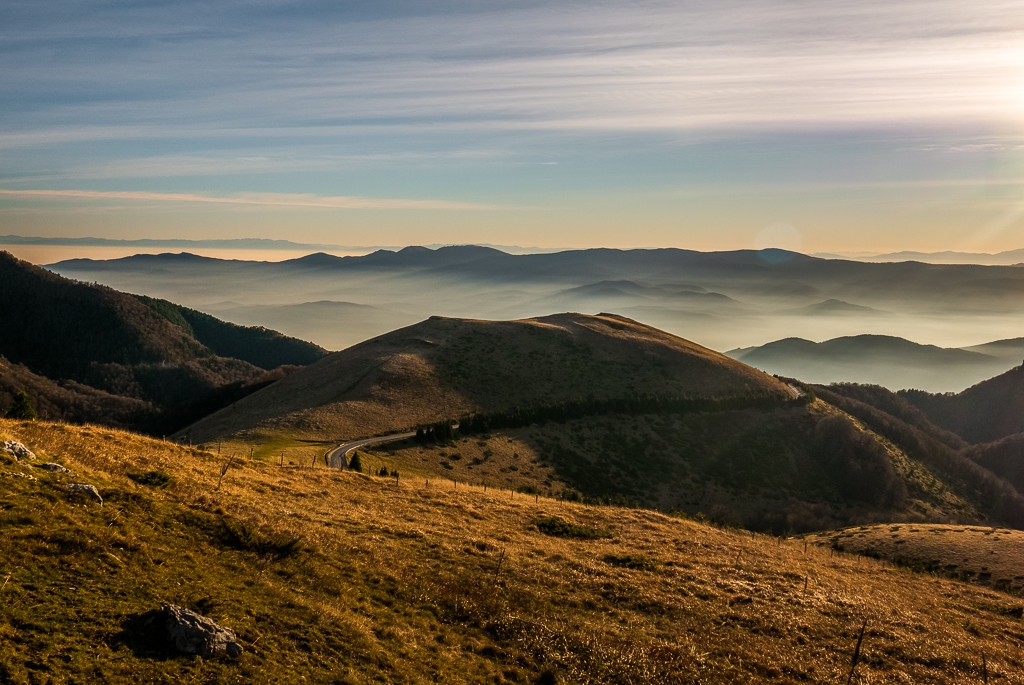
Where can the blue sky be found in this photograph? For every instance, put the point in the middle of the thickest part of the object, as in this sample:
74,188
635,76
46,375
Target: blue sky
836,126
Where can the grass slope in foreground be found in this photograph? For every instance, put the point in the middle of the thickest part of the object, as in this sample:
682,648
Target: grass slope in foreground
416,583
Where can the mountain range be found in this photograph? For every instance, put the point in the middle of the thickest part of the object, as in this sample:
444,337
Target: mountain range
723,300
890,361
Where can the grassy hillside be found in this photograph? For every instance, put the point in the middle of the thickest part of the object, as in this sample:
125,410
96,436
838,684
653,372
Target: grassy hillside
788,469
986,556
417,582
443,368
89,353
984,412
783,464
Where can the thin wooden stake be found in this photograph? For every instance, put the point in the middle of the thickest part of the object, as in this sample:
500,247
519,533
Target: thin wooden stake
856,652
223,470
501,559
984,667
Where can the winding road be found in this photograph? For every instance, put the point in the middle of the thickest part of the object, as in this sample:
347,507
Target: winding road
338,457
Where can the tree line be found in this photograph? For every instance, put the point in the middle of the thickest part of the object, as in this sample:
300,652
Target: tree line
560,412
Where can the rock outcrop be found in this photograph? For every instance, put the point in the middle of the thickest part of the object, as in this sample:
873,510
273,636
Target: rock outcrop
17,449
87,489
194,634
56,468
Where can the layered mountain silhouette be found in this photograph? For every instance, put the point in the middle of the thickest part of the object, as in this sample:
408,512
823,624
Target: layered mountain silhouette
90,353
716,298
883,360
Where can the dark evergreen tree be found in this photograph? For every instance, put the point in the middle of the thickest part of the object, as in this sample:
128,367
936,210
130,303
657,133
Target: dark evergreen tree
22,408
355,464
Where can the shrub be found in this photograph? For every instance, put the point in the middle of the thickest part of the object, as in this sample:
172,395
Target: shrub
267,546
560,528
154,479
634,561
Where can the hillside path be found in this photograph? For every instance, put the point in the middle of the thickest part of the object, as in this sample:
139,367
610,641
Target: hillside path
338,457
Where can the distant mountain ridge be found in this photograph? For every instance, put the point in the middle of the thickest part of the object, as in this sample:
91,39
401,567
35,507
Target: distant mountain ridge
751,273
710,297
891,361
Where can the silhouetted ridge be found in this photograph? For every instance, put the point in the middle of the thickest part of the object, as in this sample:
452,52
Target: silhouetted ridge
985,412
259,346
90,353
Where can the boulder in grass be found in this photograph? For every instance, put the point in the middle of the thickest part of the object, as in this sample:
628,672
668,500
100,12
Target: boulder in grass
56,468
192,633
87,489
17,449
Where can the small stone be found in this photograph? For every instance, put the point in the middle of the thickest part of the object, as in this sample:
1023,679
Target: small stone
87,489
50,466
17,449
26,476
192,633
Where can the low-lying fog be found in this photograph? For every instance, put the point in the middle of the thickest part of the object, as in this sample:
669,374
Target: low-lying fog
724,301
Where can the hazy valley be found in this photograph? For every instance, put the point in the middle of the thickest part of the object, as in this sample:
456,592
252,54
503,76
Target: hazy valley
723,300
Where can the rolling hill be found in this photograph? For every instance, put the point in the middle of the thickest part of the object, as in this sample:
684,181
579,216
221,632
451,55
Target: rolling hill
336,577
81,347
885,360
601,408
444,368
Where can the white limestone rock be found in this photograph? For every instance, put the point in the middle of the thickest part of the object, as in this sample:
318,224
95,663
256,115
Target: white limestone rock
87,489
17,449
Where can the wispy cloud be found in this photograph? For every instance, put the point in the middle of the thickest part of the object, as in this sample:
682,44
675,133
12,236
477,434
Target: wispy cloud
252,199
634,66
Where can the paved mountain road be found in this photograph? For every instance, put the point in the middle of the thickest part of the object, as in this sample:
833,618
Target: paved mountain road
338,457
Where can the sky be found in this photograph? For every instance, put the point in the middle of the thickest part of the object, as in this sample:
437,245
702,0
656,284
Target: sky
840,126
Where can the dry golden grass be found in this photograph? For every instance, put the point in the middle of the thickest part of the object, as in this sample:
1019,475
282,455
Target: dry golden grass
443,368
506,459
414,583
987,556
